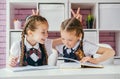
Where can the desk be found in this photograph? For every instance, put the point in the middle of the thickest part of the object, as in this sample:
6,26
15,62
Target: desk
108,72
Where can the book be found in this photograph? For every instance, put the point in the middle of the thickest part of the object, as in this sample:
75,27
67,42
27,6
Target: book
77,64
29,68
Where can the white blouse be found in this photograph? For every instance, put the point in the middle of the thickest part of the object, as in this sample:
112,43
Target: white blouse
16,48
88,48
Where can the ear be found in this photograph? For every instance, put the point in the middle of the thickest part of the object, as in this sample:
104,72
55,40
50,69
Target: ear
30,32
80,36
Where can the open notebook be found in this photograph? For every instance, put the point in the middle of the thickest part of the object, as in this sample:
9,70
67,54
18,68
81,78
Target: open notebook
77,64
29,68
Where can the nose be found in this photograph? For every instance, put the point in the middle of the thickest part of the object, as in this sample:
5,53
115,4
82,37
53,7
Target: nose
46,34
66,43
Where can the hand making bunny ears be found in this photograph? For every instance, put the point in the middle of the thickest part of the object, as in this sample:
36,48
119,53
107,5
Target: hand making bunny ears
35,12
77,14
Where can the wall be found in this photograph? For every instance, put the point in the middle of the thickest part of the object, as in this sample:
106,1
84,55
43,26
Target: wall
108,38
2,33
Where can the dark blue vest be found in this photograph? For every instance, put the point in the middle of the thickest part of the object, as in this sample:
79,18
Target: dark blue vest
27,60
70,55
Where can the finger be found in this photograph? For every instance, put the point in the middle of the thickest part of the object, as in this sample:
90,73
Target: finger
78,16
82,61
33,12
78,10
73,13
12,63
14,58
37,12
85,59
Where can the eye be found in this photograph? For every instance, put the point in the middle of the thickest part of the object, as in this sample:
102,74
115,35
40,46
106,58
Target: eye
69,40
63,39
43,32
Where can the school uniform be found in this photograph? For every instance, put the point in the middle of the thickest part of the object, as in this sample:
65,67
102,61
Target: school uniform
34,55
88,48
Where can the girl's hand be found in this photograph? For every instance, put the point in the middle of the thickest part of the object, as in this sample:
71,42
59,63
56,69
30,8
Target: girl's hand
88,59
35,12
77,14
13,61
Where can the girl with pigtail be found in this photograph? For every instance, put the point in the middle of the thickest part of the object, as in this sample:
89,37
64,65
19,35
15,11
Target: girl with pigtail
31,50
75,46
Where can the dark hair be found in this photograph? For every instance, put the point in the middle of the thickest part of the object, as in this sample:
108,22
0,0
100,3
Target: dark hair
31,24
73,24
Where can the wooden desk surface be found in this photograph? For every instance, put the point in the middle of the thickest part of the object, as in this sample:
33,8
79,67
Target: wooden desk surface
108,72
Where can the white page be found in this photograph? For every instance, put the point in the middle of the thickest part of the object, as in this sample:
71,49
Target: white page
54,13
29,68
77,64
69,65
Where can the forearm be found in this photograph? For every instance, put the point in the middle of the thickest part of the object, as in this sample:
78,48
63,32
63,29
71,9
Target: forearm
106,55
56,42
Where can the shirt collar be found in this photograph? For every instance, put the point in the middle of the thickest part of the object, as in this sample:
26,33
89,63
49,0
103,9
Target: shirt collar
76,45
28,46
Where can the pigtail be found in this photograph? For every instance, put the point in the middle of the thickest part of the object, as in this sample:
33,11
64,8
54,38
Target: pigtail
29,20
80,52
22,63
22,49
45,61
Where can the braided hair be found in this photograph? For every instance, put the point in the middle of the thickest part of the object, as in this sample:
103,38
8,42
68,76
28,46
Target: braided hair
30,24
73,24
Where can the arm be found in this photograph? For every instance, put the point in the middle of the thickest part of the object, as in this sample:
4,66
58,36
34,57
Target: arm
56,42
106,53
14,55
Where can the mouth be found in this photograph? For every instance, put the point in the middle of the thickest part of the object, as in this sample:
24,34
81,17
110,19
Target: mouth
68,46
43,39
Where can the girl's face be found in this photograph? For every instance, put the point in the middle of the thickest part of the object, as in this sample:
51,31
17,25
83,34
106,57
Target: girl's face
69,38
41,33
